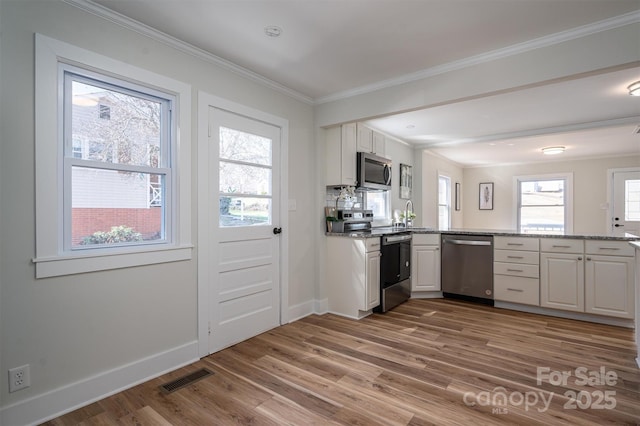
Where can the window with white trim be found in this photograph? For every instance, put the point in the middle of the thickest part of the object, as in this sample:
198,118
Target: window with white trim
118,167
444,202
544,204
112,180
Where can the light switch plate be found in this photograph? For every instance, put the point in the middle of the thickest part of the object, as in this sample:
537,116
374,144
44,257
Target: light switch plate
292,205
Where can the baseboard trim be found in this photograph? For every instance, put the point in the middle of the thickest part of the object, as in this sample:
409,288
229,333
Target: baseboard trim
301,310
307,308
57,402
426,295
619,322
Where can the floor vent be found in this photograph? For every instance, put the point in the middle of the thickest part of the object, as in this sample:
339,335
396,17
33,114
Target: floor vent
185,381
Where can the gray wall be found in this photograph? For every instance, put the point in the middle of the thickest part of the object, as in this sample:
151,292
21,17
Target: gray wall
74,327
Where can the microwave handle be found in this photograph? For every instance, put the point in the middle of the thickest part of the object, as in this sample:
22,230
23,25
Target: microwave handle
387,174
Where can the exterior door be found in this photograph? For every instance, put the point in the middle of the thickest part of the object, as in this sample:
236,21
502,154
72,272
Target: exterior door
626,203
245,217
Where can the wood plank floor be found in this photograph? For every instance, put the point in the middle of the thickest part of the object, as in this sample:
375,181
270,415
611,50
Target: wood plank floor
427,362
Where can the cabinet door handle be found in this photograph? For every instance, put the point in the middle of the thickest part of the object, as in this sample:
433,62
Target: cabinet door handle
580,258
514,270
515,244
554,246
608,248
515,289
588,258
515,257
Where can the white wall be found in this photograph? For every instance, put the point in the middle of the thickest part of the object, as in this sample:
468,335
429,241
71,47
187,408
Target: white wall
400,153
73,328
589,181
432,167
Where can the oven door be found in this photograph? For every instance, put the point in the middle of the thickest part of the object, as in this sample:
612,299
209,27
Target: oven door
395,263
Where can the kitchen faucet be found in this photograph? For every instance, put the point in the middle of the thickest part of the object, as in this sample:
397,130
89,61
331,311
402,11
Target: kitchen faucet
406,213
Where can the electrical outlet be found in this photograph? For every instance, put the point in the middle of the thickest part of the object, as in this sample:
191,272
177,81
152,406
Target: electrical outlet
19,378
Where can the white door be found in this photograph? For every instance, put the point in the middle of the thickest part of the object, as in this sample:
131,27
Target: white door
626,203
244,217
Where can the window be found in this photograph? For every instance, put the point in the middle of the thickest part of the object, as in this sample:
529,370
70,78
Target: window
379,203
105,112
245,179
444,202
107,163
108,193
544,204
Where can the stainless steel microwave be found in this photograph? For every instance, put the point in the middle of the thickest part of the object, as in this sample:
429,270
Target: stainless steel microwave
373,172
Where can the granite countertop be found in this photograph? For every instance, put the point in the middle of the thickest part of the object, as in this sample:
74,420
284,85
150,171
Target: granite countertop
381,231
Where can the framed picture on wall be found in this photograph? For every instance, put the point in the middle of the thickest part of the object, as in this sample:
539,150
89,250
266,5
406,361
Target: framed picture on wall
486,196
406,181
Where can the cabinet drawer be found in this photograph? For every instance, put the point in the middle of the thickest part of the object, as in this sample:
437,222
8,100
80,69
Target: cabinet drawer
517,289
427,239
516,269
511,256
515,243
561,245
609,248
372,244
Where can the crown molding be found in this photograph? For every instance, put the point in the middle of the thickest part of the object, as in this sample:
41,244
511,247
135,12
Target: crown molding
545,41
145,30
623,121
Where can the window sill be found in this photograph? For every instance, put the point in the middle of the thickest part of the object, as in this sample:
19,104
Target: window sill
57,266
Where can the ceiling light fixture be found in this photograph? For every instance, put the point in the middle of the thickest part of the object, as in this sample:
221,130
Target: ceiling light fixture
273,31
553,150
634,88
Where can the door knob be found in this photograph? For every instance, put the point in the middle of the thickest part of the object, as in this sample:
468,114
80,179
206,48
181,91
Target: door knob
277,231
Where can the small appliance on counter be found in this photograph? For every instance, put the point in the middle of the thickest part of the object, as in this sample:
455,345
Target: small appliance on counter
351,220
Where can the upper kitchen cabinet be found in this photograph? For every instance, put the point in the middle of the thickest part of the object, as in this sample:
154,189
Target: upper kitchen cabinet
369,140
341,155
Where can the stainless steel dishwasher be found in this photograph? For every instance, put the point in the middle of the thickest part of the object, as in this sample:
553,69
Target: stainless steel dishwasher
467,267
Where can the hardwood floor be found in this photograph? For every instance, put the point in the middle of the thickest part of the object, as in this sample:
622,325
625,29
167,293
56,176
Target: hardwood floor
426,362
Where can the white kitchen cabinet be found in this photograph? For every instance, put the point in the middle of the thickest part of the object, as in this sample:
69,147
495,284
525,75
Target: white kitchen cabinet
373,281
592,276
516,270
562,281
353,275
368,140
364,138
379,144
341,155
425,262
609,278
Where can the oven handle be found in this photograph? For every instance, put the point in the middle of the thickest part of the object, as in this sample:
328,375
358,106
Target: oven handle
392,239
468,242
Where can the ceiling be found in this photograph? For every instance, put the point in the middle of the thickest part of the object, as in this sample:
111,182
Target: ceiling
330,48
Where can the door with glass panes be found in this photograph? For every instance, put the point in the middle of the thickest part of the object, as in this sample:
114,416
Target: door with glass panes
626,203
244,201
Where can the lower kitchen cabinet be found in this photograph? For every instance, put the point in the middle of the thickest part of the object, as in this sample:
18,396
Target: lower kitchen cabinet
372,287
516,271
562,281
353,275
425,262
609,285
597,277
